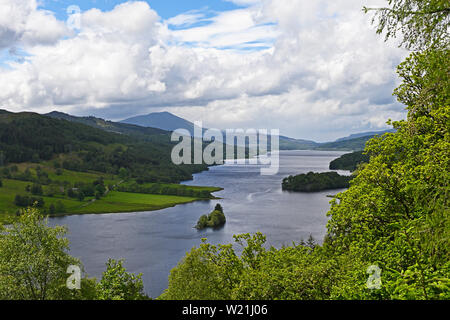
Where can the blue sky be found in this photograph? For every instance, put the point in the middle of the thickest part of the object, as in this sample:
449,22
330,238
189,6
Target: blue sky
165,8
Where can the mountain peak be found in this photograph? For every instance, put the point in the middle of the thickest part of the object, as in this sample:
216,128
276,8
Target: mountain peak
162,120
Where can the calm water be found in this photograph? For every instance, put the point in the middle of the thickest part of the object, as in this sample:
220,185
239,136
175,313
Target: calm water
153,242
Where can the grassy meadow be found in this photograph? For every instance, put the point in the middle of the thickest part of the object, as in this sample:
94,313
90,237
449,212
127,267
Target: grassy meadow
54,192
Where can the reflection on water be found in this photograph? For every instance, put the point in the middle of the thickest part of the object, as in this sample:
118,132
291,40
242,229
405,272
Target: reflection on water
152,243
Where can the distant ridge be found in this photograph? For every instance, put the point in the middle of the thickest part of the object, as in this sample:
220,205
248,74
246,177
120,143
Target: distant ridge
161,120
116,127
170,122
363,134
287,143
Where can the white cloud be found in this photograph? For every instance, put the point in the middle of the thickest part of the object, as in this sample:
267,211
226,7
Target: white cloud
187,19
236,28
324,70
22,23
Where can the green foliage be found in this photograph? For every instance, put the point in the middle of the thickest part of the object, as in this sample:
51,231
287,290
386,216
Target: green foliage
36,189
144,153
80,195
117,284
34,262
295,272
27,201
349,161
60,208
123,173
207,272
202,222
215,219
168,189
421,23
425,82
312,182
33,259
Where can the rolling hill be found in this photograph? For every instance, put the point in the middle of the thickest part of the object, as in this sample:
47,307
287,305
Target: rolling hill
161,120
91,144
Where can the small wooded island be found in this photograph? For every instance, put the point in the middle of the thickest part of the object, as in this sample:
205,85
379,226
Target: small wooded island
312,182
215,219
349,161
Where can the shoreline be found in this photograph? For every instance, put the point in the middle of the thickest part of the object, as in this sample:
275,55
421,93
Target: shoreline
126,211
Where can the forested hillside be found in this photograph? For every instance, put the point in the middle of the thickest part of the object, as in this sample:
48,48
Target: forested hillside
143,152
349,161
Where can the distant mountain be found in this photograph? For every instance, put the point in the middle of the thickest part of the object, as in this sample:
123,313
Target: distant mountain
147,134
161,120
170,122
287,143
356,144
364,134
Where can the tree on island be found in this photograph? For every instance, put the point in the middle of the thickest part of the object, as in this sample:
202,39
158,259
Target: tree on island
215,219
312,182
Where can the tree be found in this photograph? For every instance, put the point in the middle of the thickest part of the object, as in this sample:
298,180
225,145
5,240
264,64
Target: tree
218,207
71,193
396,210
207,272
202,222
215,219
117,284
34,263
422,23
52,190
33,259
36,189
100,189
123,173
60,208
80,195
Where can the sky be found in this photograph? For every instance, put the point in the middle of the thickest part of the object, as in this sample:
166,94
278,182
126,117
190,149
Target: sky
314,69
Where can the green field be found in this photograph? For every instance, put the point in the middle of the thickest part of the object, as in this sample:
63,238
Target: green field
131,202
113,201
